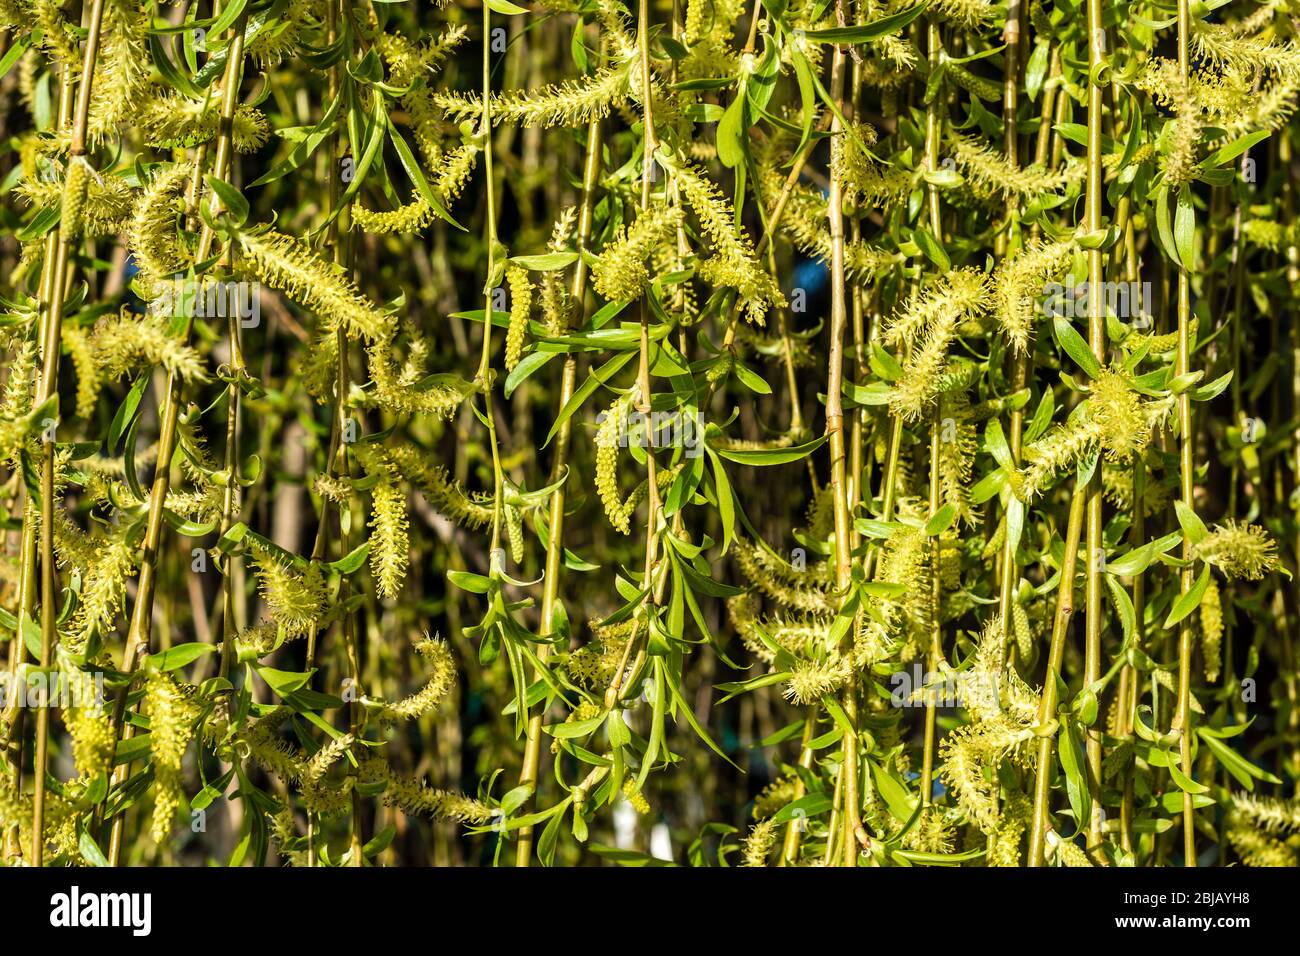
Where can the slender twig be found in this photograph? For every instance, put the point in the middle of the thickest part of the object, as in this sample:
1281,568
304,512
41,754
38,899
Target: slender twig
1050,697
141,626
851,801
933,134
1182,721
47,386
555,521
1097,341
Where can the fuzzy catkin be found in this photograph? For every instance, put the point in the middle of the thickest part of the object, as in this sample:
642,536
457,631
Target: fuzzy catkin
621,271
172,714
389,547
1211,630
759,843
1239,550
609,435
521,304
441,680
1020,280
74,198
152,235
285,264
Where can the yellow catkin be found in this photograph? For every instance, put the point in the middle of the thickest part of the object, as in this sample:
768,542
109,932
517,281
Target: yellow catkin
621,271
295,596
74,198
152,234
608,437
514,521
442,678
759,843
93,740
285,264
1212,630
1239,550
521,306
416,798
389,544
172,714
634,797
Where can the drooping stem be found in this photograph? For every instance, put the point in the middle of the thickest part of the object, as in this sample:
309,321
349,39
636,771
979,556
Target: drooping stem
1097,342
1050,698
1008,571
933,134
839,490
141,626
491,241
336,458
643,386
1182,722
14,714
555,520
77,177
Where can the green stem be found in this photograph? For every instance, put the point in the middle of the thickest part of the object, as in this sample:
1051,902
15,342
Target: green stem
1050,698
141,626
46,387
1097,341
1182,722
555,522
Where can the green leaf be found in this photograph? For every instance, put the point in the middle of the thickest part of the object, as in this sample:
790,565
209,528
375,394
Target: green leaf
940,521
1194,529
1076,778
167,69
379,842
468,581
231,198
178,656
730,132
771,456
548,262
90,851
1163,232
811,805
1075,346
1190,600
867,32
1185,783
576,728
1212,390
416,175
529,364
352,560
1237,765
1225,154
283,682
933,251
125,413
897,797
516,798
1185,229
14,53
595,379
